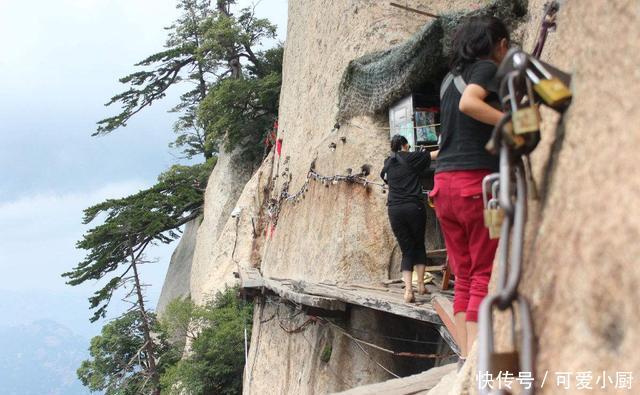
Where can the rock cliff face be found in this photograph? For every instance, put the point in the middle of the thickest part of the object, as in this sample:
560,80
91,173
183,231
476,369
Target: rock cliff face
582,235
177,282
224,187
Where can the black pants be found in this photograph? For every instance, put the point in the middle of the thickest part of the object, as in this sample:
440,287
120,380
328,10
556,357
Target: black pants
408,222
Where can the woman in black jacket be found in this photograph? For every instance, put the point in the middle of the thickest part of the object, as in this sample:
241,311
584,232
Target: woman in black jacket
406,209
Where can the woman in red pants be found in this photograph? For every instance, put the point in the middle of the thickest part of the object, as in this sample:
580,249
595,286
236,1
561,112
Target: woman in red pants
467,122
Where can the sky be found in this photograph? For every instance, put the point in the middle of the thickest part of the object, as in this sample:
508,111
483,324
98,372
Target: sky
60,63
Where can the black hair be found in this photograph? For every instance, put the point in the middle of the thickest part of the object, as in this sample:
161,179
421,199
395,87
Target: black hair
397,142
476,38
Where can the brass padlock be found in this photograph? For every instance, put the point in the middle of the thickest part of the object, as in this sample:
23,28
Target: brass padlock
514,140
503,362
490,184
487,218
525,120
496,226
494,232
553,91
496,217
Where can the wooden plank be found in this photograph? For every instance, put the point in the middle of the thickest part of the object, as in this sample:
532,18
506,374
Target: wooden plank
406,385
288,292
444,308
446,276
428,269
441,253
371,287
387,302
250,277
335,298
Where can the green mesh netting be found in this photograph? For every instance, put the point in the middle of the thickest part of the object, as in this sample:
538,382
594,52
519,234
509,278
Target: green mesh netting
373,82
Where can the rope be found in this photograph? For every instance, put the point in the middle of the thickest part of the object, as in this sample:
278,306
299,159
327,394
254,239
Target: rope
386,350
376,362
547,24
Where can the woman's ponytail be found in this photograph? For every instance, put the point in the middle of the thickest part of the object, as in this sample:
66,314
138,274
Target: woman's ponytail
397,142
476,38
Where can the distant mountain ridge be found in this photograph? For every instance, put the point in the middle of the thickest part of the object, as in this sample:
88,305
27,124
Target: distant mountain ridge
41,358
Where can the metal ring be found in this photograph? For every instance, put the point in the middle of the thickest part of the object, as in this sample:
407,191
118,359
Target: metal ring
510,290
486,347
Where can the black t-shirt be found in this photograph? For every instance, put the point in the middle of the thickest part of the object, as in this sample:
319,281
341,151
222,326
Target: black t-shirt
403,176
462,138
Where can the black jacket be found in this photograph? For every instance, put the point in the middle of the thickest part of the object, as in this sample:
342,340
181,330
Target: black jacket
402,172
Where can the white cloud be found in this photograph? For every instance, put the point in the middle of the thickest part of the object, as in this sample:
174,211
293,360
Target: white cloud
39,232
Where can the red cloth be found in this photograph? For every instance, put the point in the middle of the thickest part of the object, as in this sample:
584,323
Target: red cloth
279,147
457,196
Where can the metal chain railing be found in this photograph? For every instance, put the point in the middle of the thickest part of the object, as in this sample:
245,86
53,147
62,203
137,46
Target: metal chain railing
524,79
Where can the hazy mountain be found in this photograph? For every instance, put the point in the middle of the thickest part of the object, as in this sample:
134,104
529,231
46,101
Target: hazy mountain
41,358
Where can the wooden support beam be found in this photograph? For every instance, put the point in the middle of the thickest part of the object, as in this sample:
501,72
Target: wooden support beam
446,276
449,339
425,13
444,308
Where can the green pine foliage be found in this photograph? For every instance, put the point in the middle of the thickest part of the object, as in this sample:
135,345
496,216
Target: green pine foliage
118,360
231,101
239,111
130,224
208,45
215,362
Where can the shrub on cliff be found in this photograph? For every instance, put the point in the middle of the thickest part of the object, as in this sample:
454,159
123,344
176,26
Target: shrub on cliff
119,363
215,362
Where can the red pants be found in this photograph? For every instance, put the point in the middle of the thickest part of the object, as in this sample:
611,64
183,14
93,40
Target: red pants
457,196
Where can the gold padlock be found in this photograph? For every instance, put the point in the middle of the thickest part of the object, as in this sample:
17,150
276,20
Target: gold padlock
497,217
487,217
494,232
514,140
553,91
494,216
526,120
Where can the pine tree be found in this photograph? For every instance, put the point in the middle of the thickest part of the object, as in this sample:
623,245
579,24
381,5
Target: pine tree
207,45
116,247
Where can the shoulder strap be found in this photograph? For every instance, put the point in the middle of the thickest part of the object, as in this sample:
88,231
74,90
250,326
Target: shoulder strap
457,80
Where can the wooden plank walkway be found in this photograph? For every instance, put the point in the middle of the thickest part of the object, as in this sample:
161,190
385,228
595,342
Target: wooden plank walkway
419,383
335,297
